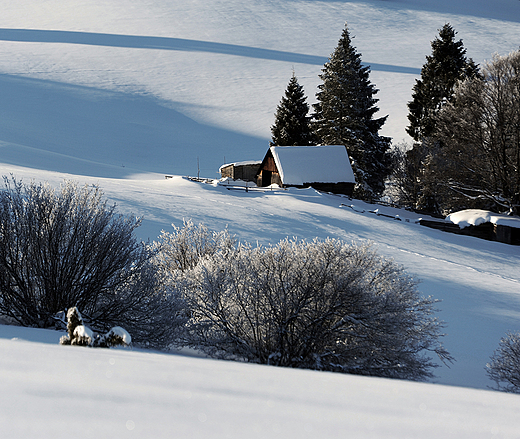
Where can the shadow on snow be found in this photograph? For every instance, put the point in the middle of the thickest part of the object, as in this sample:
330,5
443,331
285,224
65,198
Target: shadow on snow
179,44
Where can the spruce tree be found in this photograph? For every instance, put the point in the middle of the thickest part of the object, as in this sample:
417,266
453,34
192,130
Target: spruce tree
344,115
292,123
443,69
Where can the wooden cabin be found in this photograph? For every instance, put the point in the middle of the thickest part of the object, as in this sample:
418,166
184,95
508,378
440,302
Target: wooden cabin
325,168
245,171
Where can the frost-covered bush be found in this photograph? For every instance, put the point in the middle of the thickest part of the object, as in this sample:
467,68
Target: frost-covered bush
174,254
504,367
64,247
181,249
322,305
81,335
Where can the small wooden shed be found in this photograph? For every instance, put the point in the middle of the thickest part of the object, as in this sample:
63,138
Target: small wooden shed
245,171
324,168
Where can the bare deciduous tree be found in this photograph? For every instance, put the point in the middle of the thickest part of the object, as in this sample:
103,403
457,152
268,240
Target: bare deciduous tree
404,185
61,248
505,364
479,132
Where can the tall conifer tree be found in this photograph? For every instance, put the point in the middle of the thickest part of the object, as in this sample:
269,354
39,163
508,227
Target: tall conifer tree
292,123
443,69
344,115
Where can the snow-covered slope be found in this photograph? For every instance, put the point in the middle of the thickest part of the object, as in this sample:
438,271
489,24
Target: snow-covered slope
153,85
478,281
121,93
55,392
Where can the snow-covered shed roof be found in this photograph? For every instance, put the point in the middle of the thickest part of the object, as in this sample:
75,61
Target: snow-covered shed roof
245,163
299,165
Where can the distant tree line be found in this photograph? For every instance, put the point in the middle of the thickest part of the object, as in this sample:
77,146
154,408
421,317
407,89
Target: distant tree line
465,123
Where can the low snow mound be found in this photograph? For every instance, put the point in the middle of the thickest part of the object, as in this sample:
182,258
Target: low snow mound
84,332
475,217
117,331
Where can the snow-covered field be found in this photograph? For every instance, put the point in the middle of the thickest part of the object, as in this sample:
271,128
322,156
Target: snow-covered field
58,392
122,93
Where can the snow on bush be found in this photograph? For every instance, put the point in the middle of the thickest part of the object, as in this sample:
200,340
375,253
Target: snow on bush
322,305
117,336
81,335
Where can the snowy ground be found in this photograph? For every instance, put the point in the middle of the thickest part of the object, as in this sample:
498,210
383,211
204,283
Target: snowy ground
121,93
62,392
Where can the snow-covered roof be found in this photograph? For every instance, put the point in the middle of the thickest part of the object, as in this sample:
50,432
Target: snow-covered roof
245,163
474,217
298,165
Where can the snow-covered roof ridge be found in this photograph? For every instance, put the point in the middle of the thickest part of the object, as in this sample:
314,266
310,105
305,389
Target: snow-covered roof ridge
299,165
475,217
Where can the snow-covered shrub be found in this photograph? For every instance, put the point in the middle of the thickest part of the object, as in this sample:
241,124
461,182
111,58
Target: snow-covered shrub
65,247
321,305
174,254
182,248
78,333
117,336
81,335
505,364
61,248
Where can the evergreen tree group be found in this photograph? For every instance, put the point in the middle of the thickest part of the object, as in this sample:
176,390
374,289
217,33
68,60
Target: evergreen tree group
343,115
439,173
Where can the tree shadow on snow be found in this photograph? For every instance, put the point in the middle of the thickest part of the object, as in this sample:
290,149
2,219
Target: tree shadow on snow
506,10
177,44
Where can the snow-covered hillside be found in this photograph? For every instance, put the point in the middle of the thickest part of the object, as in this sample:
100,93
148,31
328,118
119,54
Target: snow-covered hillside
152,85
122,93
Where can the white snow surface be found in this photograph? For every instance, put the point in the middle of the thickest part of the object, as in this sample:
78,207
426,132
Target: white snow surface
58,392
474,217
298,165
122,93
